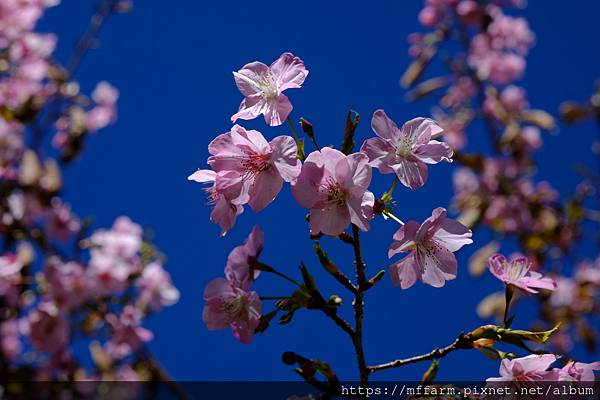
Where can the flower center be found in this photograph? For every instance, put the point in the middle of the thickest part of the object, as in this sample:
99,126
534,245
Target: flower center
404,147
234,307
335,192
268,87
517,270
254,164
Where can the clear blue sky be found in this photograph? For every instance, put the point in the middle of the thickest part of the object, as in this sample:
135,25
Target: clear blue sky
172,63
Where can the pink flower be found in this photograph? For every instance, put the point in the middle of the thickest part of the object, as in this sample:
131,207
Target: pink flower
105,94
105,112
334,187
565,292
156,289
224,212
10,339
578,372
530,368
107,274
60,221
262,166
231,306
263,88
239,260
406,151
431,246
127,334
123,240
47,328
67,283
518,273
10,278
114,256
429,16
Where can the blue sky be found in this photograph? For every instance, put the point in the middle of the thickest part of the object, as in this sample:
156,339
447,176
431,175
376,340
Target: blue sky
173,63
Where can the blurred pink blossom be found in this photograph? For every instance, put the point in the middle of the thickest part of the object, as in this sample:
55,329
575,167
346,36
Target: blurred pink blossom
518,273
156,289
127,336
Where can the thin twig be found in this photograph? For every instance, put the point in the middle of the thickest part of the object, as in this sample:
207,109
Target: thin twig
462,342
83,45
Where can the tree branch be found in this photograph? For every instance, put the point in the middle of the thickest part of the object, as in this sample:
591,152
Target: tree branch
462,342
359,308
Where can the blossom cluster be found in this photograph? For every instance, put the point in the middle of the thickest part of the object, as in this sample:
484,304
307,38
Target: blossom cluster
496,189
248,169
60,282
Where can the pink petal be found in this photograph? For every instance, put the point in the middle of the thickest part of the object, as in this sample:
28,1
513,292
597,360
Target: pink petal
453,235
404,273
285,158
251,140
264,190
224,214
214,318
306,189
536,363
203,176
361,210
411,173
381,154
404,238
420,130
438,266
247,78
277,110
250,108
217,288
330,221
383,126
497,264
432,224
289,71
434,152
360,174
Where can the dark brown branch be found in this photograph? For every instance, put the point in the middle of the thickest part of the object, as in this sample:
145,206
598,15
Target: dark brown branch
462,342
359,308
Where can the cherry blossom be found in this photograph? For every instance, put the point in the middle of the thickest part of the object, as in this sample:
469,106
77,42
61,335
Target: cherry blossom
431,246
239,261
518,273
127,335
68,284
10,278
156,289
230,306
334,187
579,372
263,88
47,328
262,166
224,212
530,368
405,151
